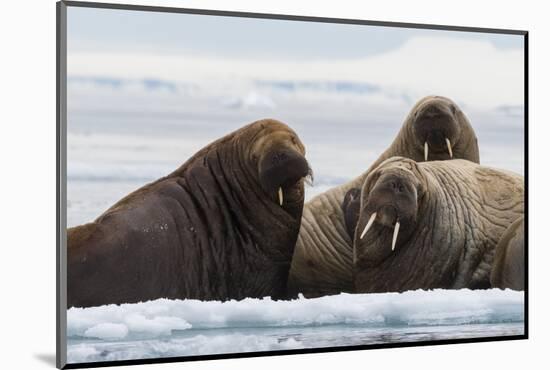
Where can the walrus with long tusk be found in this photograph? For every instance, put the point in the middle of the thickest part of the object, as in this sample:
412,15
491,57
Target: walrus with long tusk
432,225
509,267
435,129
222,226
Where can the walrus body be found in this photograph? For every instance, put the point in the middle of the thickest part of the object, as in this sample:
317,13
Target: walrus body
509,266
222,226
435,129
432,225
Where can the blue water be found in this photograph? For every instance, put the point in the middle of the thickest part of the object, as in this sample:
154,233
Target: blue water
216,341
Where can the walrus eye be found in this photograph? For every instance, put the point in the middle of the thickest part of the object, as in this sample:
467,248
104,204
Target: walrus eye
453,109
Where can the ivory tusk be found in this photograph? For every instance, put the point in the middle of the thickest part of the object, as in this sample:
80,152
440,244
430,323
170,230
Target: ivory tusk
449,147
426,151
395,232
369,224
281,197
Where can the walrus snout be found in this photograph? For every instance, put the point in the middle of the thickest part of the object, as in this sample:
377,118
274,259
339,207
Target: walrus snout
282,169
388,217
392,198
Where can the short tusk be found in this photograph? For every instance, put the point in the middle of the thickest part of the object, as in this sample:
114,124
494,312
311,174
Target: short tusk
369,224
395,232
281,197
449,147
426,151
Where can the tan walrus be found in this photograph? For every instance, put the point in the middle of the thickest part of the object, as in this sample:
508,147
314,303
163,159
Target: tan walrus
435,129
509,266
432,225
221,226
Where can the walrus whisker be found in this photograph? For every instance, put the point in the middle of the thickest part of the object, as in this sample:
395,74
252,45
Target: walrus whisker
369,224
281,196
449,147
426,151
395,232
308,179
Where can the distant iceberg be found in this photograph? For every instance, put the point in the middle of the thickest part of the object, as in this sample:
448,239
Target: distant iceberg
144,84
251,100
350,87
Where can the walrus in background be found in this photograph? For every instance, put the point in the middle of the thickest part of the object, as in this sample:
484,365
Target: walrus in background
432,225
509,266
222,226
435,129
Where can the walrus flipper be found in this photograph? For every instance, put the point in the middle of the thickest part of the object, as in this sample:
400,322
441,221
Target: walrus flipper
350,207
509,266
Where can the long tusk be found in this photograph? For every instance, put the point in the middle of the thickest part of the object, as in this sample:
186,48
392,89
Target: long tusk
281,197
369,224
395,232
426,151
449,147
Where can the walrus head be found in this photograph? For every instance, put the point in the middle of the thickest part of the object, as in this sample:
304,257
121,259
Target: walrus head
389,206
278,156
435,122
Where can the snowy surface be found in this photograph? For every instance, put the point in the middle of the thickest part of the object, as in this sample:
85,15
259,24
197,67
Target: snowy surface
189,327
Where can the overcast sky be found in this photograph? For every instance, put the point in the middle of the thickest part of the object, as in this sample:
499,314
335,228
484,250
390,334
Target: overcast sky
122,30
475,69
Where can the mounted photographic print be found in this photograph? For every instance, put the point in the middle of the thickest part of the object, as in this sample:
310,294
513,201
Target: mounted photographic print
237,184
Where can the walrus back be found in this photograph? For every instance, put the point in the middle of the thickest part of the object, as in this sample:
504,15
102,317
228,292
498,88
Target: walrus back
207,231
509,267
488,201
323,256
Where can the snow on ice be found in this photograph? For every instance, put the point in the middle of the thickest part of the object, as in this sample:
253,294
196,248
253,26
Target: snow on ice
160,317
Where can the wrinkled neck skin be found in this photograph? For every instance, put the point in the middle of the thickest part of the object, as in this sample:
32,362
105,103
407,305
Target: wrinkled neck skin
407,145
450,246
242,199
253,226
405,268
322,262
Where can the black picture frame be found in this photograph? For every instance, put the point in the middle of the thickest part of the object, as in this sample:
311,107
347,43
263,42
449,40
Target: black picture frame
61,175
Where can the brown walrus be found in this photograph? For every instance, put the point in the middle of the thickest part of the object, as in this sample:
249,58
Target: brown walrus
435,129
509,266
221,226
432,225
